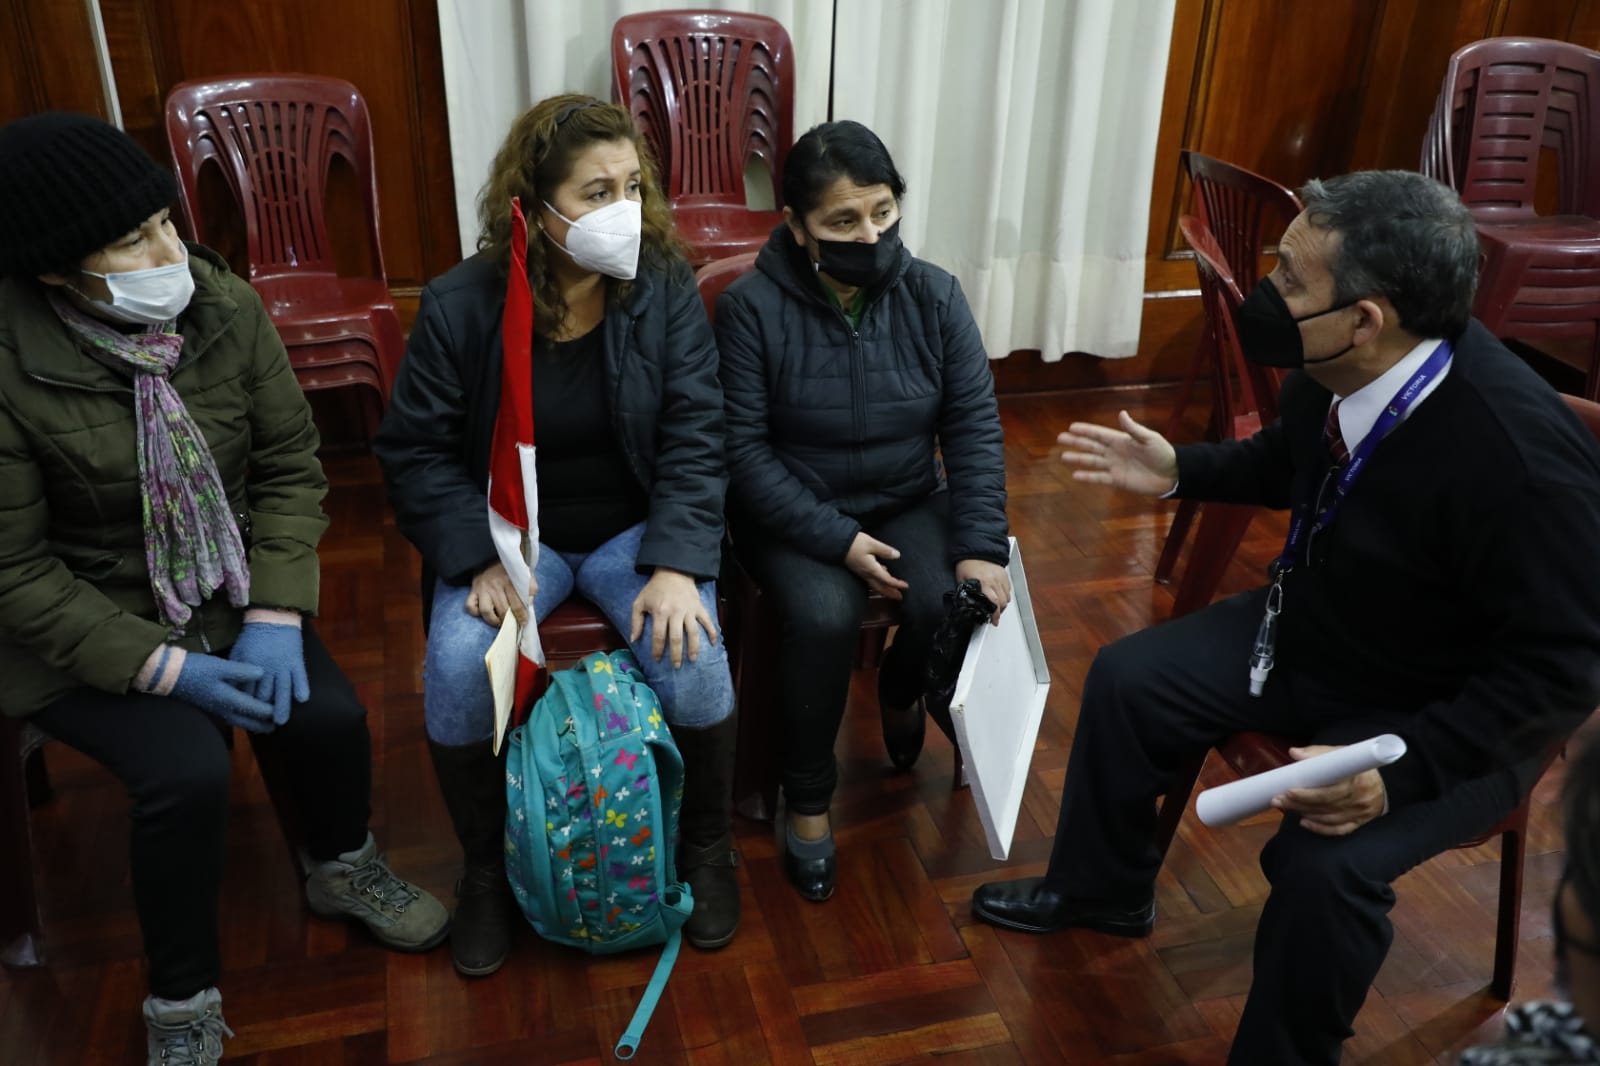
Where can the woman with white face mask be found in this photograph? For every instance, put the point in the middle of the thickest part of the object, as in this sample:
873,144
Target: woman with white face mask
162,503
630,484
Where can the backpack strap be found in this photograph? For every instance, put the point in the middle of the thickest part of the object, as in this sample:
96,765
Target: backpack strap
675,913
652,993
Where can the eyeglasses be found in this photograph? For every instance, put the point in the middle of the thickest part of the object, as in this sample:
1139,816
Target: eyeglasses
1558,928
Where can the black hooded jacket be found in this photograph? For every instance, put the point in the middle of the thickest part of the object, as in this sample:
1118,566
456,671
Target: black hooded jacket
830,426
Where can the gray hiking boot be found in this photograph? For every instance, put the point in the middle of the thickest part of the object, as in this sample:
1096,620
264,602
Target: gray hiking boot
359,885
185,1034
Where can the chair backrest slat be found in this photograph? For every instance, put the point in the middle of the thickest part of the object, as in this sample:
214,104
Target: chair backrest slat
1503,102
710,91
1245,390
274,138
1245,212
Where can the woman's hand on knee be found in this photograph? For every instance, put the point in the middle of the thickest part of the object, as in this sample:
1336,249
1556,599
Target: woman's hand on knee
493,594
992,579
863,560
672,599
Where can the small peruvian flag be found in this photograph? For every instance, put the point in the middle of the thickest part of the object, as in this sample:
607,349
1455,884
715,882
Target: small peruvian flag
513,484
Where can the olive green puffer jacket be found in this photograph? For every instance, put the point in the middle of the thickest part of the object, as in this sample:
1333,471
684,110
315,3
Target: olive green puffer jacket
75,602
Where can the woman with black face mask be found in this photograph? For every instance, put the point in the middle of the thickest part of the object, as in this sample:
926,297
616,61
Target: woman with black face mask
850,368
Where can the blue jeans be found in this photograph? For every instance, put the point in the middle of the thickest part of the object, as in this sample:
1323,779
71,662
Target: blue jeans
457,705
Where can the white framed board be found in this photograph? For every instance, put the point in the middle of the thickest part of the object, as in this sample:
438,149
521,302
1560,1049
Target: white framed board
998,705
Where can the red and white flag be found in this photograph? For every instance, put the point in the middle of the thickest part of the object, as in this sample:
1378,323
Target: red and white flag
513,484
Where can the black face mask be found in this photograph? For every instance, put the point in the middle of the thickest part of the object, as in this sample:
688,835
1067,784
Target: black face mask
856,263
1269,333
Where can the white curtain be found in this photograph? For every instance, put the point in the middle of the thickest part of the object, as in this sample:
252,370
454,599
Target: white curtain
503,56
1026,132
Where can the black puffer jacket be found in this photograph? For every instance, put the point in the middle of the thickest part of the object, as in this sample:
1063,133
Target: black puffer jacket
829,425
666,406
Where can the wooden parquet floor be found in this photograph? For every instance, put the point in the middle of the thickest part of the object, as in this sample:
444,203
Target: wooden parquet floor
893,970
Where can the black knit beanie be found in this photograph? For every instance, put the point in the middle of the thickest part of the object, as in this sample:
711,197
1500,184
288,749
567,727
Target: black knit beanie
70,185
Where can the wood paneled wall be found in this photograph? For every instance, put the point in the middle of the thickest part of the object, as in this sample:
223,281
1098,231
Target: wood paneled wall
1292,89
389,49
47,59
1300,90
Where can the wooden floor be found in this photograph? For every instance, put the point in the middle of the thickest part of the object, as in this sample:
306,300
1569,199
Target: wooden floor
893,970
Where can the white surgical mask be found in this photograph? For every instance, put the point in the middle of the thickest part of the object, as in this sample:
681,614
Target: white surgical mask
605,241
150,297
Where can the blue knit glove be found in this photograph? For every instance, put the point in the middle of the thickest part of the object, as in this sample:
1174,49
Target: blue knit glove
279,651
223,688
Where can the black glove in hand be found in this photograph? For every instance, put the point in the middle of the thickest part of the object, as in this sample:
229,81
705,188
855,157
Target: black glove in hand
965,608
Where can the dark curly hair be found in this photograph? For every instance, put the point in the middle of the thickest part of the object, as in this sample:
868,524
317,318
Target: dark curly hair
536,157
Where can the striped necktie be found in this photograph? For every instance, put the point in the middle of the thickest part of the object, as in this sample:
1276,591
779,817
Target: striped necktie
1333,438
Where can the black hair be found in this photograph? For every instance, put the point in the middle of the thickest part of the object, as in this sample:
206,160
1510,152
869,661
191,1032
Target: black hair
831,151
1404,236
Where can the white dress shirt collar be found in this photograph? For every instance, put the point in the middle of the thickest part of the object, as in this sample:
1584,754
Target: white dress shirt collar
1360,410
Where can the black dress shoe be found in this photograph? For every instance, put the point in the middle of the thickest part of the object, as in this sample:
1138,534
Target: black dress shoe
1026,905
904,729
813,878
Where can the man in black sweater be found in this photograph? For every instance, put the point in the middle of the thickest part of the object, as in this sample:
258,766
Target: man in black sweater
1444,585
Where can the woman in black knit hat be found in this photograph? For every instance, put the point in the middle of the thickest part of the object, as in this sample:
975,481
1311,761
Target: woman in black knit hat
160,507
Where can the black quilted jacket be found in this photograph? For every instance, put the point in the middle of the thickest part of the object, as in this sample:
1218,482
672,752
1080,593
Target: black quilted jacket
830,426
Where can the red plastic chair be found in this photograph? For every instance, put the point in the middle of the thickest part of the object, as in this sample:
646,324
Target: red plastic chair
1246,398
274,138
1255,753
710,90
1504,101
714,277
25,784
1245,213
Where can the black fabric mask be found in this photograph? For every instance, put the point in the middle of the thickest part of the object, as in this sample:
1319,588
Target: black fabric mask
857,263
1269,334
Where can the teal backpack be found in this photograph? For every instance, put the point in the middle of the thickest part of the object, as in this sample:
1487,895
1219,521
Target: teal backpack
593,787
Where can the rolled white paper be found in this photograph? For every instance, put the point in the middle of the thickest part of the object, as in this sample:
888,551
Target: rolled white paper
1239,799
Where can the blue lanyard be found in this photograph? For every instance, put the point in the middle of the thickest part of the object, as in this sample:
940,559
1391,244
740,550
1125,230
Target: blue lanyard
1295,548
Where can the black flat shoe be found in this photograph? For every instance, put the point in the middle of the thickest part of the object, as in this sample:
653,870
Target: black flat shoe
812,878
904,729
1027,906
480,932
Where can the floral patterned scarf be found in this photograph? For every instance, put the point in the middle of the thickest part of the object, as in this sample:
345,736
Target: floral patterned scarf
191,541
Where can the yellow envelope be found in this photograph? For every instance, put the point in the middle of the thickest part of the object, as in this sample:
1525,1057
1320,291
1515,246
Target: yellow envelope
501,662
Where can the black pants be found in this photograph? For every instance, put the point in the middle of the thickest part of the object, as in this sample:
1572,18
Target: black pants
1156,699
173,759
820,606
